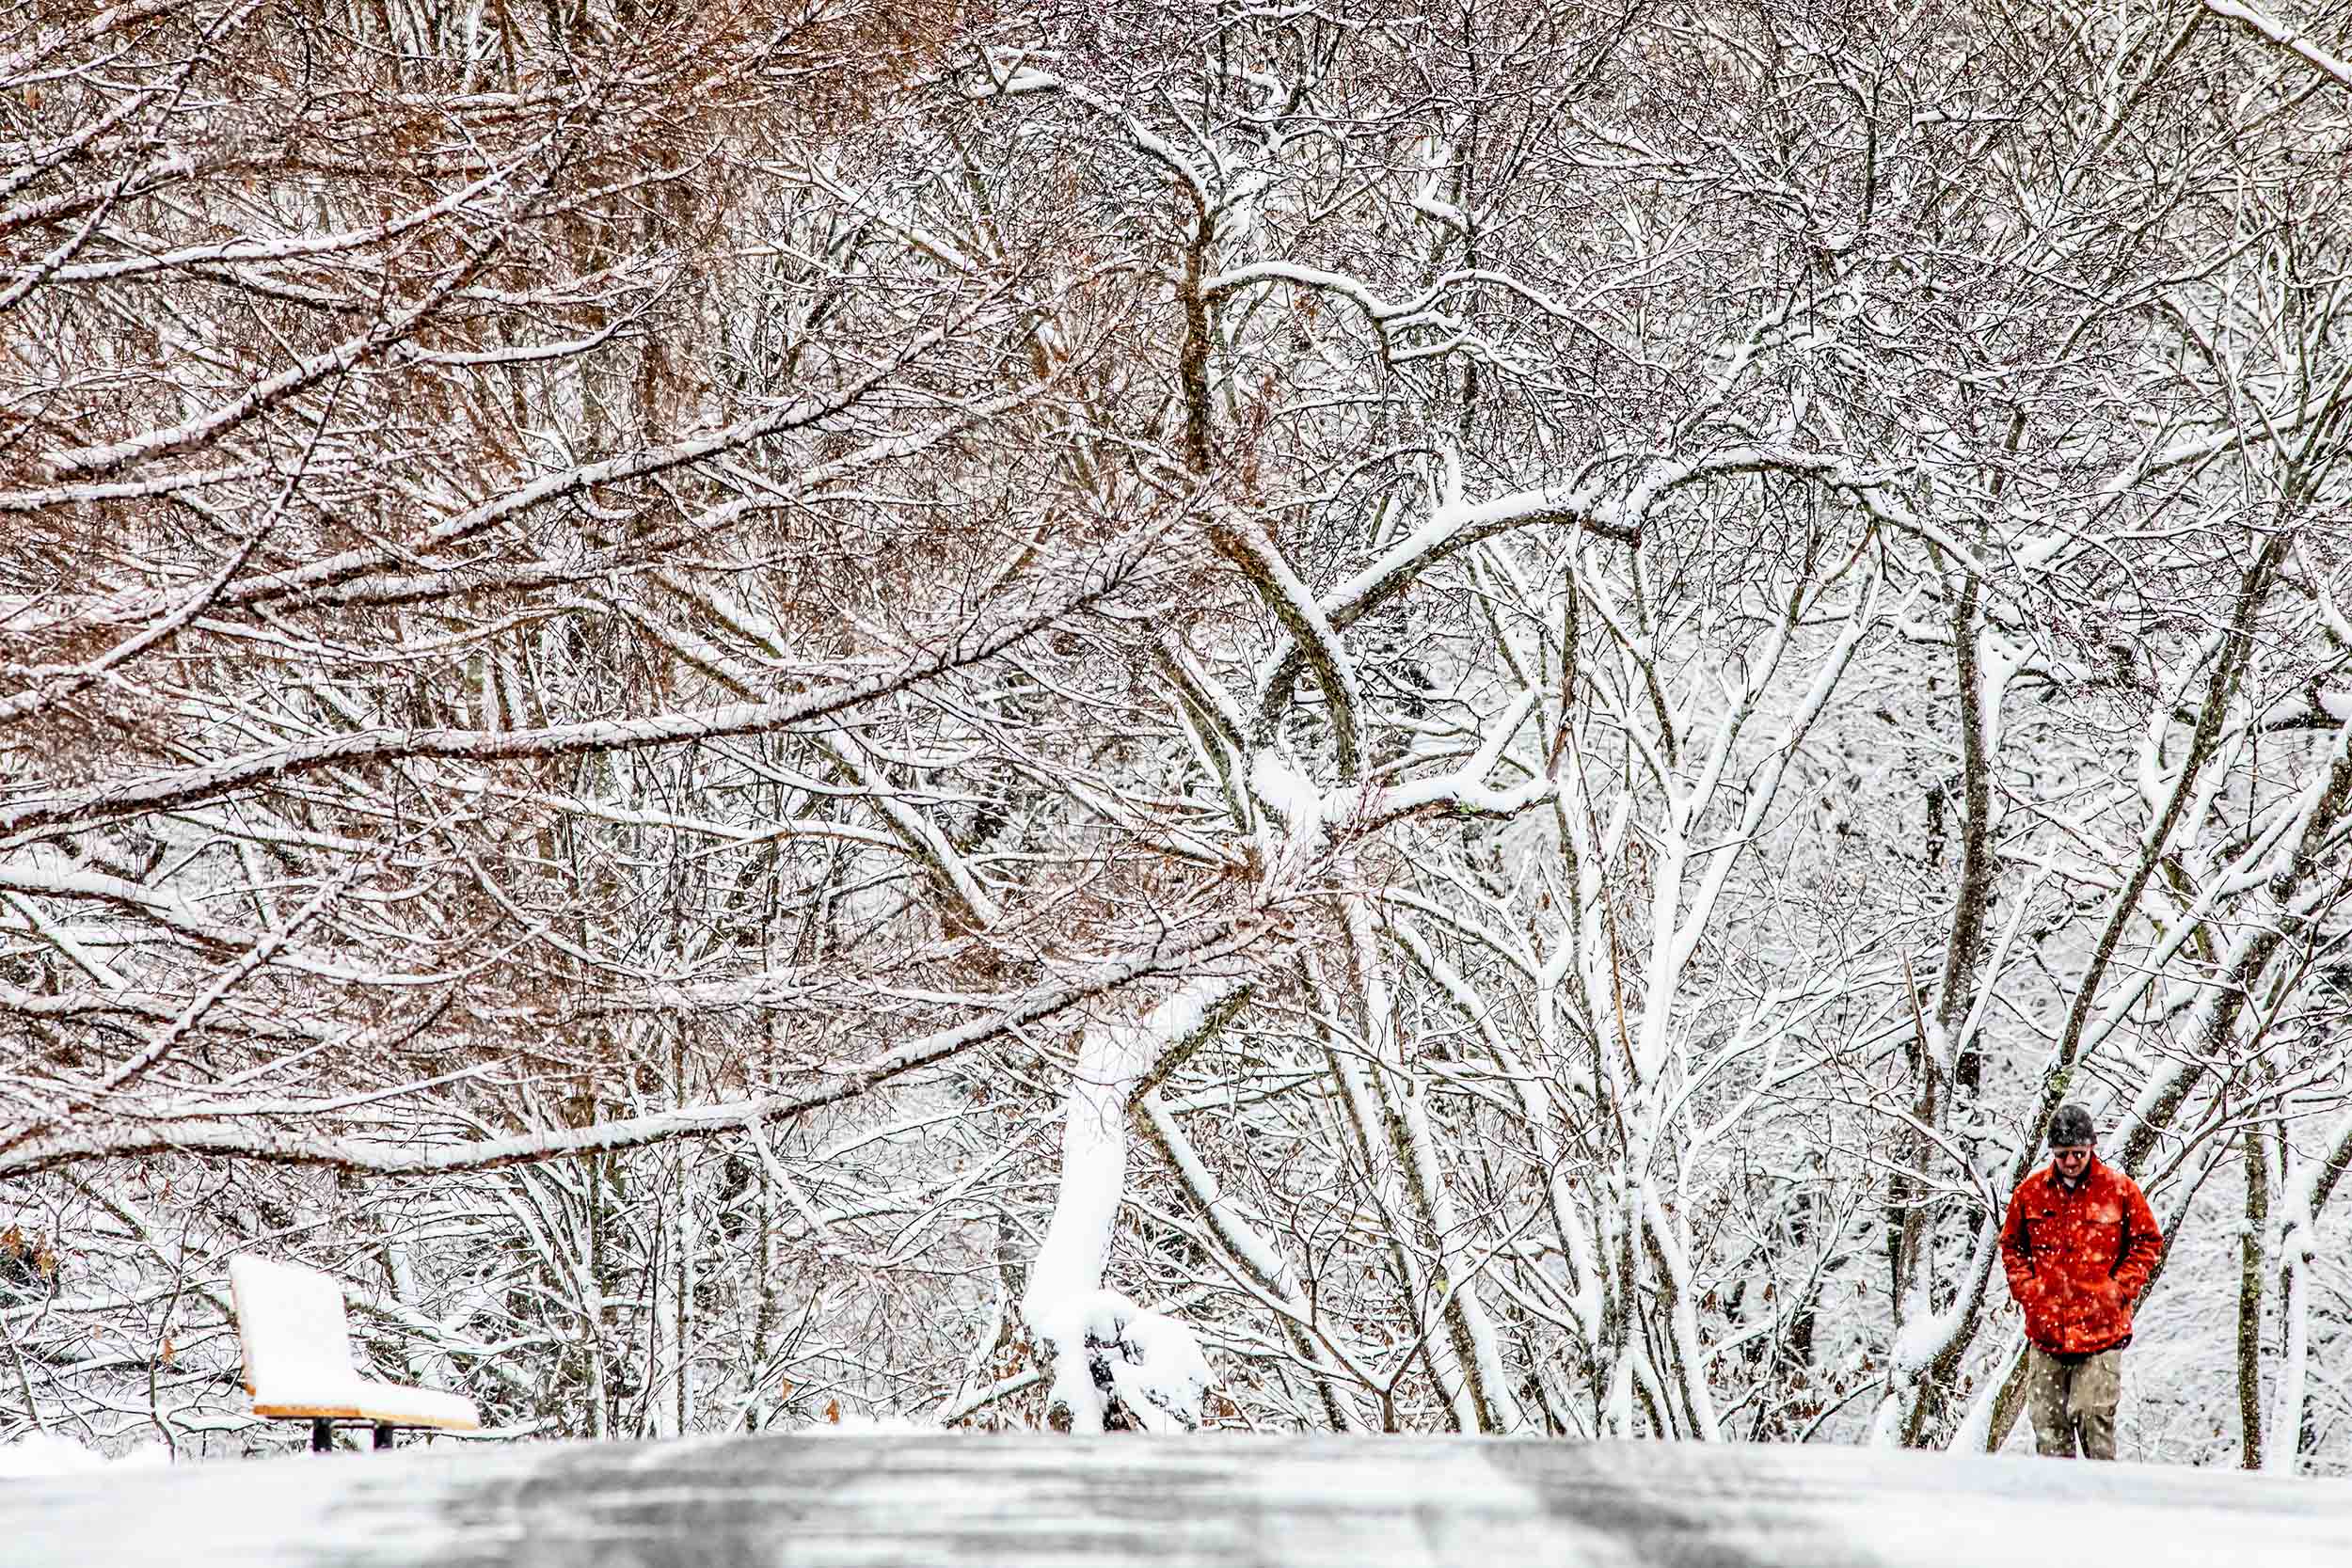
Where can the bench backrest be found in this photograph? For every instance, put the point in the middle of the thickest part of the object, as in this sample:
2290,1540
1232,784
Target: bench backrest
292,1323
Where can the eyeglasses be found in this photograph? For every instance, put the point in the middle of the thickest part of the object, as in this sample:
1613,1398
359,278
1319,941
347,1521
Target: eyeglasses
2079,1152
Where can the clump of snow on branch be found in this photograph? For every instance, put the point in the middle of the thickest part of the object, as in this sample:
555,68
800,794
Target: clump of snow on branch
1149,1360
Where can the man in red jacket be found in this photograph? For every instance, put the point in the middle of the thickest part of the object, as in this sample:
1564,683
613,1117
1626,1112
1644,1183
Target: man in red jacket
2079,1245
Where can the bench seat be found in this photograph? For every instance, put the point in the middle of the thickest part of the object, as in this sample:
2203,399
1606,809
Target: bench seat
392,1404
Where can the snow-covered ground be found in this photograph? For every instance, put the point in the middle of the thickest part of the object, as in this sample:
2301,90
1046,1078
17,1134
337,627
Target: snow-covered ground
1206,1500
42,1453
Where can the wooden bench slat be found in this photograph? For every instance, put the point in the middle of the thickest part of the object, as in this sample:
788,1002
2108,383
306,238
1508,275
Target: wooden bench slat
384,1403
357,1413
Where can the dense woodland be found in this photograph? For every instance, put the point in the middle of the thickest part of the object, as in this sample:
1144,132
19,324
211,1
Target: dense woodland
785,711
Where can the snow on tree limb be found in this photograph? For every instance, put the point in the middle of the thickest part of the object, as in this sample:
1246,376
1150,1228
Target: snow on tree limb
2284,37
1211,945
968,645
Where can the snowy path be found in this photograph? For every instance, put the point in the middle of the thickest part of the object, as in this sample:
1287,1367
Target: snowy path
1345,1501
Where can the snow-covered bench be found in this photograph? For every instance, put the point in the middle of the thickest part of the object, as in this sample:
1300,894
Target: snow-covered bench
297,1359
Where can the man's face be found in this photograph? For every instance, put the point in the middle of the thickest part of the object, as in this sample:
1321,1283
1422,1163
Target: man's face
2070,1159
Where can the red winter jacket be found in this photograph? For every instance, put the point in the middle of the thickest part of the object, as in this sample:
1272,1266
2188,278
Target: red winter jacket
2077,1259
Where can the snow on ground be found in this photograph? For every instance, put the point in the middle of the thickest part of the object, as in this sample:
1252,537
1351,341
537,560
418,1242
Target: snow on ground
42,1453
846,1424
1043,1500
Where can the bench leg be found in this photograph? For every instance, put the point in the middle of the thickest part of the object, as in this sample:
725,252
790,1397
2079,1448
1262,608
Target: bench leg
383,1434
322,1436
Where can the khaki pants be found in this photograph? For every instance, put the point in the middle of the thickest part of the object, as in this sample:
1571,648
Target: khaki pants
2074,1399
